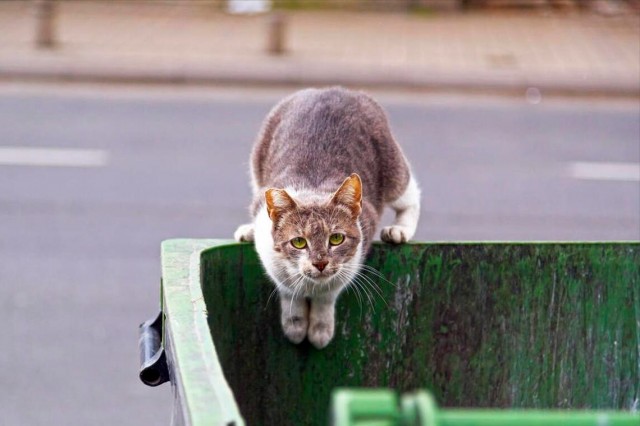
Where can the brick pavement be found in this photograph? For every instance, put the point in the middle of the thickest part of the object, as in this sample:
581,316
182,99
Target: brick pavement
564,51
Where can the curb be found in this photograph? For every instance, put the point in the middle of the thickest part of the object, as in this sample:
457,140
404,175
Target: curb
272,72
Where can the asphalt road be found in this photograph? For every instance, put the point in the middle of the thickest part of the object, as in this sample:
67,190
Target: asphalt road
79,240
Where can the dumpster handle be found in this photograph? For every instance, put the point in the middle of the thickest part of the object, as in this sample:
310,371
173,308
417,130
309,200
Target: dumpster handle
153,362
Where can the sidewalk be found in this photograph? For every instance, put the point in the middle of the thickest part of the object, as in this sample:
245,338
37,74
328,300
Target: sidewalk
194,43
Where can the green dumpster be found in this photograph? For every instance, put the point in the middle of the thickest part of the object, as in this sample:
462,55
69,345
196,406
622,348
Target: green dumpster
500,325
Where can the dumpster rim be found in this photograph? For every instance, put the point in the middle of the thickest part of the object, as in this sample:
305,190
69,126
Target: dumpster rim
205,394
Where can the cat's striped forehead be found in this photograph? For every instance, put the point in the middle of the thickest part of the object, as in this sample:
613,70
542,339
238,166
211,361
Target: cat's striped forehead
318,220
315,224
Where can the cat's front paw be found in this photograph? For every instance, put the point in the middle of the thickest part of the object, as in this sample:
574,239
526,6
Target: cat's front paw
395,234
244,233
295,328
320,334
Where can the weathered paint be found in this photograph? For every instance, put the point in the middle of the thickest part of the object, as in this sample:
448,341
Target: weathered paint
548,325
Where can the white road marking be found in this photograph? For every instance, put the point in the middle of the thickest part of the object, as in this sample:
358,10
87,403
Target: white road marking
52,157
605,171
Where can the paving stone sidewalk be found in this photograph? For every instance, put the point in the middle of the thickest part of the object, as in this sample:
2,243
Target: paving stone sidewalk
195,42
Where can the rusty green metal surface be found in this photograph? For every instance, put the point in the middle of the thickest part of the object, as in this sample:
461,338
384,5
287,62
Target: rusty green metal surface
550,325
480,325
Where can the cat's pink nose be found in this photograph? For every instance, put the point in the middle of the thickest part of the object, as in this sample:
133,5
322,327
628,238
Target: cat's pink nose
320,265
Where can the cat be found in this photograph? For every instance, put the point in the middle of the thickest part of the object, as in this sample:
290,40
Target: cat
323,167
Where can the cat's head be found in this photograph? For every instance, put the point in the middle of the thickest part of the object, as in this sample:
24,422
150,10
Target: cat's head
317,241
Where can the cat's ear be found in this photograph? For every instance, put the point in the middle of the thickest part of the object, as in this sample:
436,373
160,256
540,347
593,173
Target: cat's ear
350,195
278,201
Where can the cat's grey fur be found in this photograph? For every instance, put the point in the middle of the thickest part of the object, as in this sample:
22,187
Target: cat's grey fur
325,162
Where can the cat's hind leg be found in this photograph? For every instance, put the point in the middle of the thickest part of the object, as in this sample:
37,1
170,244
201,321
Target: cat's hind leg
294,318
407,208
244,233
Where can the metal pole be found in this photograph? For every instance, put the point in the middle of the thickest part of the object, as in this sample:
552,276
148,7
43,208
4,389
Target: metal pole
45,26
276,34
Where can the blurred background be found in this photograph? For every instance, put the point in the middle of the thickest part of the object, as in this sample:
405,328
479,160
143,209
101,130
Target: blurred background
124,123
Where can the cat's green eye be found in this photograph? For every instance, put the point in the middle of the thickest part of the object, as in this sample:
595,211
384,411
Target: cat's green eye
299,242
336,239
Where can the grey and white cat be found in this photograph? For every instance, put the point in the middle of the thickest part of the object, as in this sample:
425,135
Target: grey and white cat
324,166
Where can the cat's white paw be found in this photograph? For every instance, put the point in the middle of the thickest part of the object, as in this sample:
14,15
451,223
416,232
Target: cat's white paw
295,328
244,233
395,234
320,334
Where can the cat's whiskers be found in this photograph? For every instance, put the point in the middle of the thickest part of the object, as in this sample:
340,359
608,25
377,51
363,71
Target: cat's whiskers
360,291
373,285
359,284
355,286
299,285
283,270
356,290
274,291
365,281
376,273
291,277
283,283
351,279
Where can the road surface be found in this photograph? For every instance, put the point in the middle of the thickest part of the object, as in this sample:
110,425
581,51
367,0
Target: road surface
93,178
